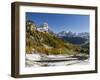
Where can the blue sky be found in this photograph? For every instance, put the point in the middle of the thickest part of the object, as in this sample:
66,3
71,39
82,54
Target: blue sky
61,22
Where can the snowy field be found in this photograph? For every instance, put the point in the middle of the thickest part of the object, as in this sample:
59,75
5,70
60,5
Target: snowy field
37,60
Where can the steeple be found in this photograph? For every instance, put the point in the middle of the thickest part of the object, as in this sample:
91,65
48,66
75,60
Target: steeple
43,28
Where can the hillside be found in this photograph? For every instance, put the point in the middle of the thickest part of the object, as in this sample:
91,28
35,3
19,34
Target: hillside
46,43
74,40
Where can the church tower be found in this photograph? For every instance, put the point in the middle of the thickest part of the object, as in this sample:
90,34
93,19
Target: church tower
45,26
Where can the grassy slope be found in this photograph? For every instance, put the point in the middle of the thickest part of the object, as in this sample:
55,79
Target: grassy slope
48,44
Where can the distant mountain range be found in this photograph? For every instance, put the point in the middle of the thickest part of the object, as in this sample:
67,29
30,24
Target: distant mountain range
74,38
71,34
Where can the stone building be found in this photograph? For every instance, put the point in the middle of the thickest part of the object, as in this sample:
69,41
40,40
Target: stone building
43,28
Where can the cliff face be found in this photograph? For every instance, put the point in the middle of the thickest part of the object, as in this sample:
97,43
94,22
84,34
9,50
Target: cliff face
33,27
